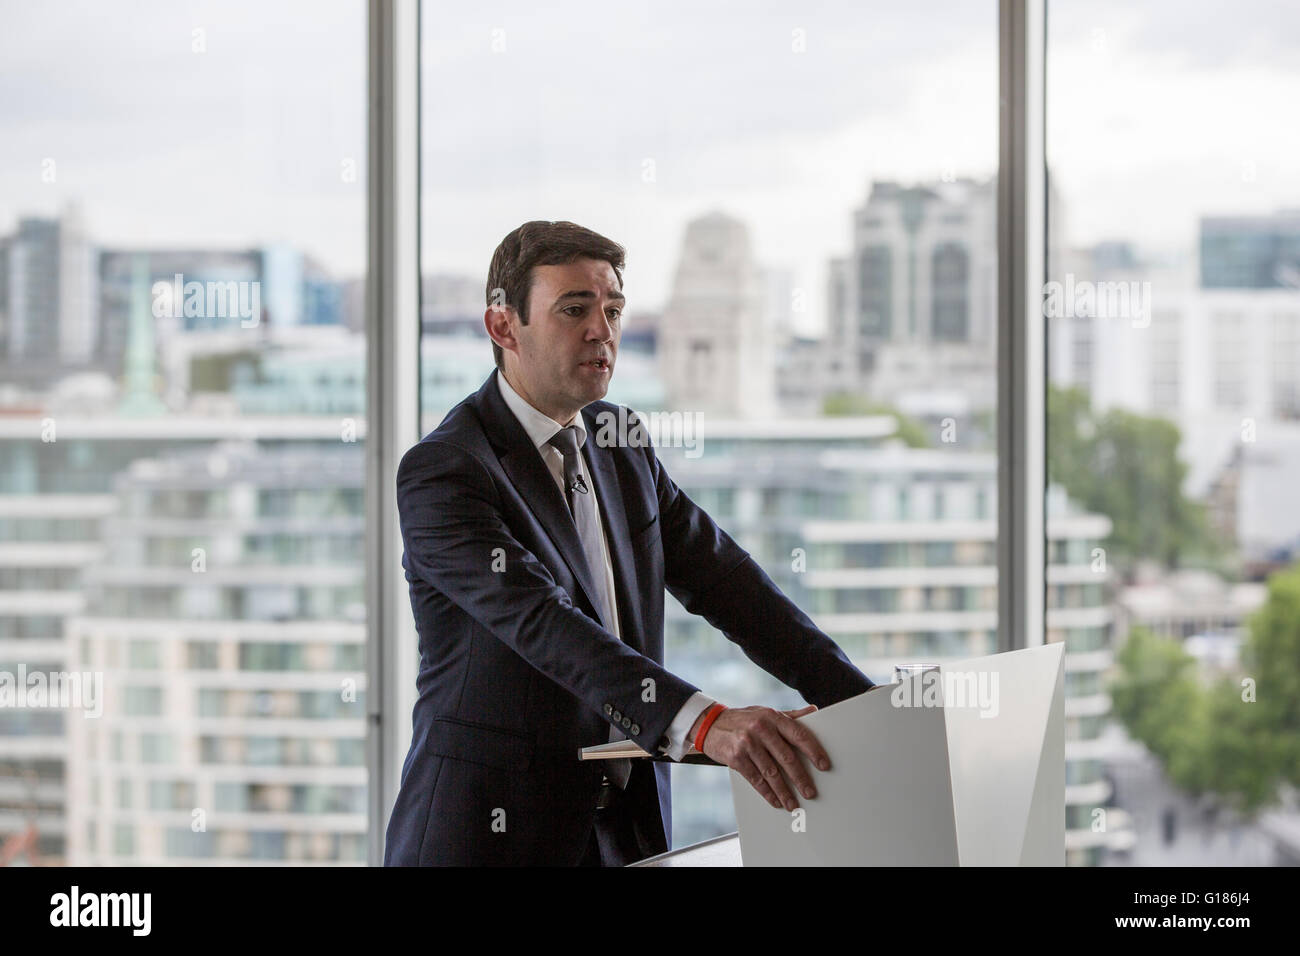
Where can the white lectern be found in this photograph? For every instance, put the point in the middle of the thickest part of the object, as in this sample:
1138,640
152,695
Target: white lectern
960,766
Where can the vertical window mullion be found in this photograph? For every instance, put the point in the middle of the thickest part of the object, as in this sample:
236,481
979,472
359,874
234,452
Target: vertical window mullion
1021,230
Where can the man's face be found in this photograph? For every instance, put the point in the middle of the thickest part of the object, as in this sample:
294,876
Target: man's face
566,352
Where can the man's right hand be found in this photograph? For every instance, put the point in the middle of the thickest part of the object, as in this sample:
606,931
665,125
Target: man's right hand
759,743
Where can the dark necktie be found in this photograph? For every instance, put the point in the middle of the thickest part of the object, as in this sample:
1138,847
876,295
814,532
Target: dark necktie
582,506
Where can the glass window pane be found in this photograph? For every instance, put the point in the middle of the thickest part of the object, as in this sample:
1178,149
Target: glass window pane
807,206
1173,322
182,372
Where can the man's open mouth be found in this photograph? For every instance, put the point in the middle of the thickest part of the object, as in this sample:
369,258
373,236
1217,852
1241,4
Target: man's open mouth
601,364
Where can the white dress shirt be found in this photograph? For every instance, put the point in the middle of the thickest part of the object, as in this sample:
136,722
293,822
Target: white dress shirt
541,428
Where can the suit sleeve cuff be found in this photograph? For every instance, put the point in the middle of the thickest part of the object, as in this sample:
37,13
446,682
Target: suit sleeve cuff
677,745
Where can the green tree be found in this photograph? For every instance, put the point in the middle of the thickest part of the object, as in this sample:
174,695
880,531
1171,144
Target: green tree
1271,659
1238,737
1155,694
1234,762
1126,467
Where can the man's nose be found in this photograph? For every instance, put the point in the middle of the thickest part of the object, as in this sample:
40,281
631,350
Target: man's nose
601,329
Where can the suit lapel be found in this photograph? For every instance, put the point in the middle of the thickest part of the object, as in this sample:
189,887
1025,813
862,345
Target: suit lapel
524,467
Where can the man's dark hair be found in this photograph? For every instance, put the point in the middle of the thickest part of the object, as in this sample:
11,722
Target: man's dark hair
541,243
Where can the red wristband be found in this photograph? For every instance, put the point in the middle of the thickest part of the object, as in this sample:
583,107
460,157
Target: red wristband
709,717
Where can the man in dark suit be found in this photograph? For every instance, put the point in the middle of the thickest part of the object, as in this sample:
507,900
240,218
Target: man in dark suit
537,553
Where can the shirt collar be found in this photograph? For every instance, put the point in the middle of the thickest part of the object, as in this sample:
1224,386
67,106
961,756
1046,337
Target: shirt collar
541,428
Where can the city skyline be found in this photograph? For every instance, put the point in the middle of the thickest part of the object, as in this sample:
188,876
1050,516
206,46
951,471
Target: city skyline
801,160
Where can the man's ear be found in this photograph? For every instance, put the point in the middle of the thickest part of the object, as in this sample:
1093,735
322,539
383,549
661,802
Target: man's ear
499,321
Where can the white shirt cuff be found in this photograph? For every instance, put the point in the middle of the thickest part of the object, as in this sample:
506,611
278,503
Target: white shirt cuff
695,705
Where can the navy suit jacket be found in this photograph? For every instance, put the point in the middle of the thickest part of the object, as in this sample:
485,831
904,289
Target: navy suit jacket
516,674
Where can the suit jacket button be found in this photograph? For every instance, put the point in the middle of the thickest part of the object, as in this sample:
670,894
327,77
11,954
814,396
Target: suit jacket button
617,716
635,730
608,710
627,722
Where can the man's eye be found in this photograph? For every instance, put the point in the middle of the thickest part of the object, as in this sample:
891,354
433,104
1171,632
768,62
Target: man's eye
617,313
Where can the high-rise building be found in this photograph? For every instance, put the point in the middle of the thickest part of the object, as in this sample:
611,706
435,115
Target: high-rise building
228,620
912,308
46,541
51,297
59,511
914,302
715,343
34,291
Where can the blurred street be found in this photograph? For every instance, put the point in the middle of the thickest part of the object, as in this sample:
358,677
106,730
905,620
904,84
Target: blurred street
1173,829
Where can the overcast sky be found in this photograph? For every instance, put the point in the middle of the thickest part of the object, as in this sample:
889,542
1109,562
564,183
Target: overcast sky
1159,112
